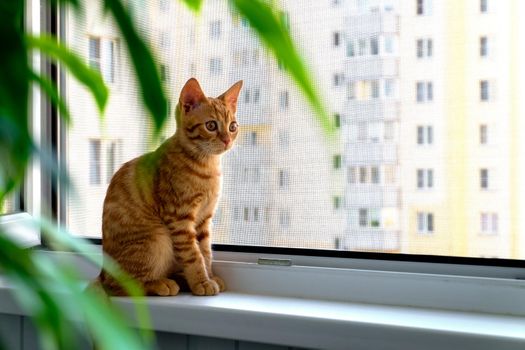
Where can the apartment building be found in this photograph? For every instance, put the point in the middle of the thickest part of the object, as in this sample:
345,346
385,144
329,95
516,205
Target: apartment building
423,93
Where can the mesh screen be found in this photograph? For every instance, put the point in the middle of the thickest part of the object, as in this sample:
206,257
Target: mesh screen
424,95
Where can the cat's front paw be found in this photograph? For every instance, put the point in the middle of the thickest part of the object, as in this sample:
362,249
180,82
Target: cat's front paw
220,282
208,287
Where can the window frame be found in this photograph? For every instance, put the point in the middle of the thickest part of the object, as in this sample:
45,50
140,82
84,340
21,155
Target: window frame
20,226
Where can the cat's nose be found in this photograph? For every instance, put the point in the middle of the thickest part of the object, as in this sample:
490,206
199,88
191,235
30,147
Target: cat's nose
226,141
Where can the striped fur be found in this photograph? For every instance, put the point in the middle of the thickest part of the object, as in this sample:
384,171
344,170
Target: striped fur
159,207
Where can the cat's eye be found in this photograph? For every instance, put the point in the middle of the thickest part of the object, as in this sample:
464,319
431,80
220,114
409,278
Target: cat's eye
211,125
233,126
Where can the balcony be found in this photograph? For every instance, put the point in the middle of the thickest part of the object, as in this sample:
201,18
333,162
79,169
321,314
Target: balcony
356,110
375,240
370,153
359,196
368,67
372,23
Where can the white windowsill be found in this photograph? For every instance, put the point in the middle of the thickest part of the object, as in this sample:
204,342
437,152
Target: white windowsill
333,308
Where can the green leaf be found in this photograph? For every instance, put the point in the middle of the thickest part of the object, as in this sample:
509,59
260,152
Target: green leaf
273,33
146,71
52,92
75,65
14,91
194,5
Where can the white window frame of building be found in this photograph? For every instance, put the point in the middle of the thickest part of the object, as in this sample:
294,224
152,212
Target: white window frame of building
337,201
483,46
424,48
483,6
103,56
350,90
484,90
424,91
215,66
284,100
389,44
103,165
375,176
489,223
339,79
284,178
424,135
351,176
374,46
284,218
350,48
425,179
423,7
484,179
389,88
337,39
95,162
425,222
483,134
215,29
374,89
363,47
389,132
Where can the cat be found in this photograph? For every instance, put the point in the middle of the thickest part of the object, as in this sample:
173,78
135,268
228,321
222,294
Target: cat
158,209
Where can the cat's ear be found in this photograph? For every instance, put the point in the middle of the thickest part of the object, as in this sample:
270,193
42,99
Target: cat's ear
231,95
191,96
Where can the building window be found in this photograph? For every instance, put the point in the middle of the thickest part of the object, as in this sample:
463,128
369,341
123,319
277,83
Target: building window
425,178
423,7
164,74
484,90
338,79
369,217
424,91
94,162
283,100
284,178
374,175
374,46
489,223
253,138
255,214
483,6
425,222
350,48
483,46
337,40
350,90
425,135
94,53
256,95
484,178
424,48
284,218
374,87
483,134
388,44
351,175
215,66
363,175
246,214
215,29
337,161
111,160
363,217
337,120
390,88
337,202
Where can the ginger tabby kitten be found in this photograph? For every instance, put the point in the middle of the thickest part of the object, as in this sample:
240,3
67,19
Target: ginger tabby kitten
159,206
